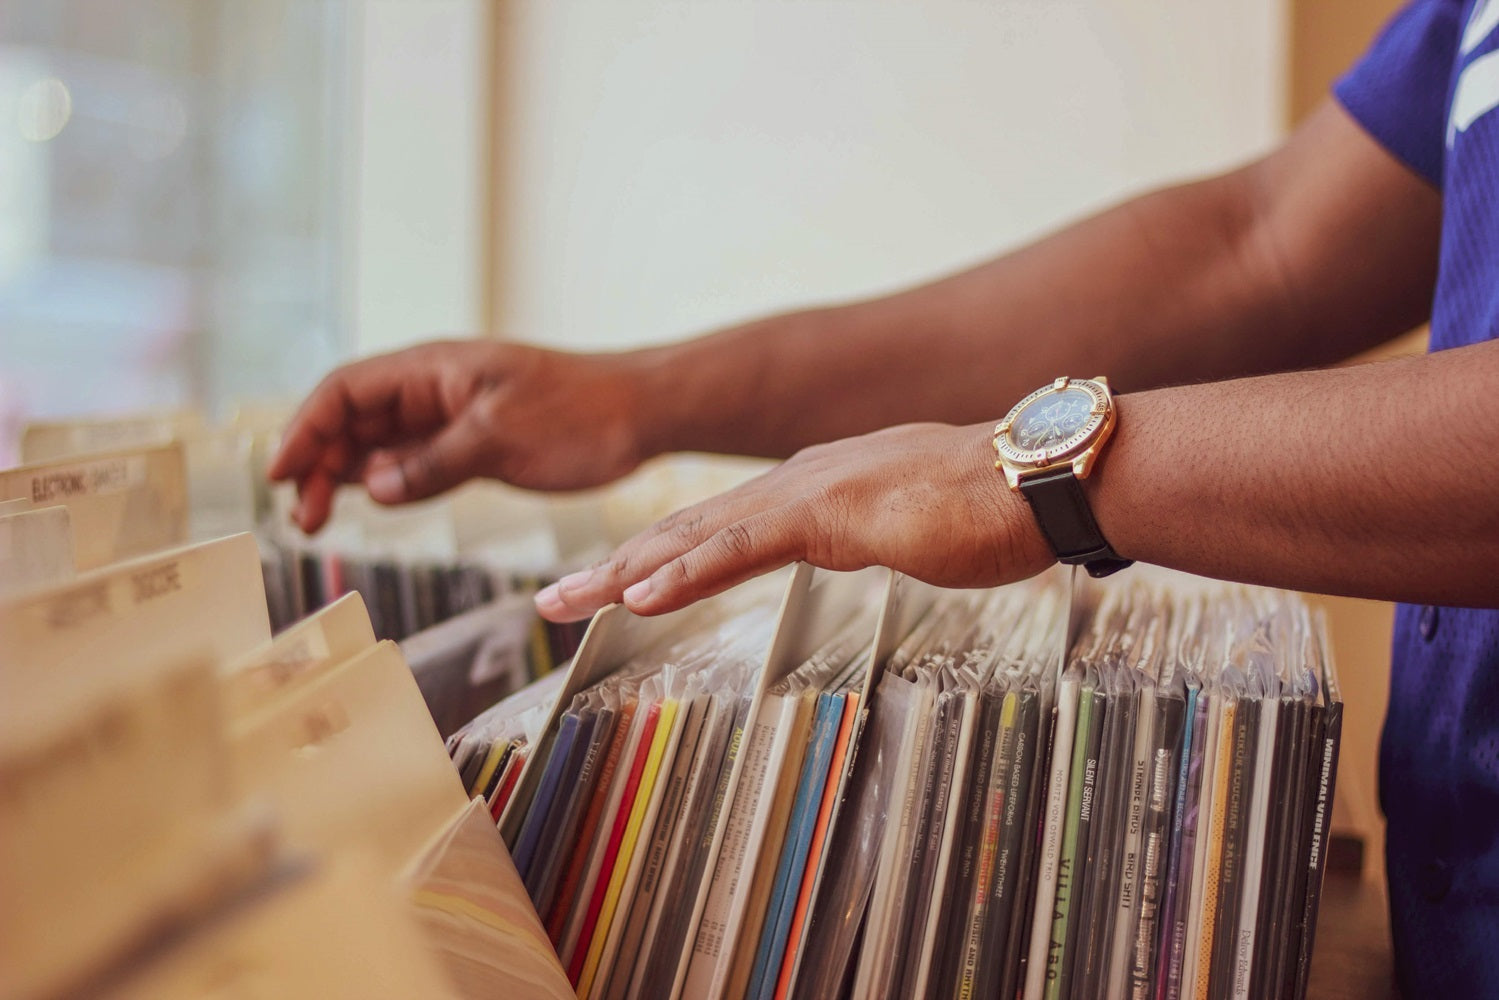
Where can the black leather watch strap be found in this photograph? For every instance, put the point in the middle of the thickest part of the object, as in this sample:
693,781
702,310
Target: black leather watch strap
1066,519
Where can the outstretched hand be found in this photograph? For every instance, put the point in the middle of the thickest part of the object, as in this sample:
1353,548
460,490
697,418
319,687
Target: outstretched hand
923,499
417,422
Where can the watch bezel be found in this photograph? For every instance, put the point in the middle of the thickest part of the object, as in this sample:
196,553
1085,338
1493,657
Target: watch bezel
1031,459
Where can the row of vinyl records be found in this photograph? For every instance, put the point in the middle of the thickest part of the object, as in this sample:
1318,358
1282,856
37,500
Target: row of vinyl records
910,793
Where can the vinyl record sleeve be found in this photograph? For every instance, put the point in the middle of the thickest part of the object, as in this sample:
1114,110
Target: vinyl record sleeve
1064,727
793,860
637,901
1251,889
508,780
629,861
982,810
507,750
683,923
1128,895
1235,835
1287,911
1277,844
1176,903
579,799
1025,797
765,847
844,754
1101,884
1326,770
1079,821
927,843
572,889
871,966
546,793
1206,907
605,846
492,758
551,843
1161,821
682,871
942,896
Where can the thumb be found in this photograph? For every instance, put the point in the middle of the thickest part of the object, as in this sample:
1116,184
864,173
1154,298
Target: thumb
450,457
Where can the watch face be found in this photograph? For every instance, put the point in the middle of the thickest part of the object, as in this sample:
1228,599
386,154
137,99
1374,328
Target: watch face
1055,424
1050,420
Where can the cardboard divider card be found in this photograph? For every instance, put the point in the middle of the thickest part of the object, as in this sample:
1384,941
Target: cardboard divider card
148,762
67,646
123,504
109,705
341,931
907,601
36,549
322,640
53,441
306,750
473,906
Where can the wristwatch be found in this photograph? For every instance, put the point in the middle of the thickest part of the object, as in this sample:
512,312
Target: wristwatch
1047,445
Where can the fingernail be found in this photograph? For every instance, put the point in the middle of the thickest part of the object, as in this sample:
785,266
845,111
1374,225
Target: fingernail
638,593
573,581
547,599
385,482
549,605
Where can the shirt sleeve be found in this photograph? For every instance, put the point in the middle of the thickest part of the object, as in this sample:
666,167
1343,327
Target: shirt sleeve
1398,91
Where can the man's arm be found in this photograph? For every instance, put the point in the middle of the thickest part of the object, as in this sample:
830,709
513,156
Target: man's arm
1323,248
1310,255
1377,480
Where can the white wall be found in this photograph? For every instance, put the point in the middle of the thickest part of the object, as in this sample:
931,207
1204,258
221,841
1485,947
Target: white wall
416,161
672,165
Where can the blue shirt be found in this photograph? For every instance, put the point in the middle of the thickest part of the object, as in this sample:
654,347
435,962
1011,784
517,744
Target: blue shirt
1428,91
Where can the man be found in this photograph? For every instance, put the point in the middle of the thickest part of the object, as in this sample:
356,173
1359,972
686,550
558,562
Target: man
1381,481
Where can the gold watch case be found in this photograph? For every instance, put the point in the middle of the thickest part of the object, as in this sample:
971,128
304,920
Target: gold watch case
1055,408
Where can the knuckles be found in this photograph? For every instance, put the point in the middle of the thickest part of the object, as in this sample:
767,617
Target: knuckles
736,541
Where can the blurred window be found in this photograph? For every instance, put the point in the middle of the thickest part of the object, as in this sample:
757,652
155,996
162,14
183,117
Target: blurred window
170,209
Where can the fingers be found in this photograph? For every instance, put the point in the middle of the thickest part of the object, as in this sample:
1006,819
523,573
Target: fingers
316,486
693,554
372,403
733,554
368,403
578,595
422,470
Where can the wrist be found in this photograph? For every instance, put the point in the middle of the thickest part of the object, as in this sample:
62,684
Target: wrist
1017,546
1107,487
1048,447
739,391
660,409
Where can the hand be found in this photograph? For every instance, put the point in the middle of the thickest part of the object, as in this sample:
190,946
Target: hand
416,422
924,499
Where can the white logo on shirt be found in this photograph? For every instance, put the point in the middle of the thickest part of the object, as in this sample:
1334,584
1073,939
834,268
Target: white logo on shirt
1482,21
1477,90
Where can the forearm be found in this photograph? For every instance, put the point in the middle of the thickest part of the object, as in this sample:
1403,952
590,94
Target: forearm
1373,481
1128,292
1322,249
